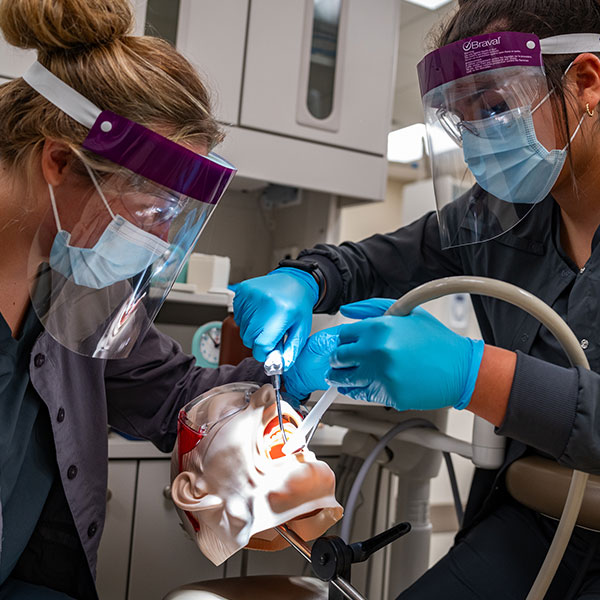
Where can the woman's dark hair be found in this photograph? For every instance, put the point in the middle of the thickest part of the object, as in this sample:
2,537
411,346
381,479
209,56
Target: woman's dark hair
543,18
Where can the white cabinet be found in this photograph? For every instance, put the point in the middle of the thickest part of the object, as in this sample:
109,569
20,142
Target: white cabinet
304,164
276,82
139,8
144,552
211,34
259,57
162,554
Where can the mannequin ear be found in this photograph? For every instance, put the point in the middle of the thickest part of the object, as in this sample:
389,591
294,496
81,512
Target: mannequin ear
56,160
189,493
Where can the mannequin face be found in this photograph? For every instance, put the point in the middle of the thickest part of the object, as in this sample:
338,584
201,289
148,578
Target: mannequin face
236,482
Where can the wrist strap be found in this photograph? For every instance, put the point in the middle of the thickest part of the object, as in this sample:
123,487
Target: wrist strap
311,267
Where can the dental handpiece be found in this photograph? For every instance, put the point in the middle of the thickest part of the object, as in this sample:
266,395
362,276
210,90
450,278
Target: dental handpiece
274,369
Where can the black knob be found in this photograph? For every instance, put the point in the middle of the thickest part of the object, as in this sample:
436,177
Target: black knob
330,557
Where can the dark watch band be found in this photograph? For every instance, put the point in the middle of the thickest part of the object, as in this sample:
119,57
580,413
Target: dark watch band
309,267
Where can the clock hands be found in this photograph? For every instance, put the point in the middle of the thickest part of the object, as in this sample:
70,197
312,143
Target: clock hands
216,342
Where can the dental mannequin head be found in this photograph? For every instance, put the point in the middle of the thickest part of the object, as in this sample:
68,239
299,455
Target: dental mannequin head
235,485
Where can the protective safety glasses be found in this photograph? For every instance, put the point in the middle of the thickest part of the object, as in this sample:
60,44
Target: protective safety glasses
119,229
489,119
203,414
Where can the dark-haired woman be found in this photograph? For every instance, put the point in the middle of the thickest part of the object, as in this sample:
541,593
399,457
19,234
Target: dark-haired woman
511,106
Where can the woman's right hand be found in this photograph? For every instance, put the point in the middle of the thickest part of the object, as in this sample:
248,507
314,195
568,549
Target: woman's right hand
268,307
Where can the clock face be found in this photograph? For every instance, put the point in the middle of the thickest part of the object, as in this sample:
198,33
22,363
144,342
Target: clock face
207,344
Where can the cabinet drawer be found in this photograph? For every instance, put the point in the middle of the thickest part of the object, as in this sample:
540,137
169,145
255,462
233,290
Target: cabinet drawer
162,555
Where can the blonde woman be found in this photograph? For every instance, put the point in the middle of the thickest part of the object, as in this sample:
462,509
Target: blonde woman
106,181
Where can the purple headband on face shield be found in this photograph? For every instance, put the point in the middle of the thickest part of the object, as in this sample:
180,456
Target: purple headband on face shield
135,147
476,54
157,158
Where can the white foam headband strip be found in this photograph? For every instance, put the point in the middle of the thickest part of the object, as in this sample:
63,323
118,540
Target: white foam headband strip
572,43
55,90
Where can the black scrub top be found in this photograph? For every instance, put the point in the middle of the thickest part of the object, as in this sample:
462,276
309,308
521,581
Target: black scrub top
27,454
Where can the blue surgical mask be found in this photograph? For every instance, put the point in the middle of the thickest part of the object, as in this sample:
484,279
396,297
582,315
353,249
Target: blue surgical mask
507,159
122,251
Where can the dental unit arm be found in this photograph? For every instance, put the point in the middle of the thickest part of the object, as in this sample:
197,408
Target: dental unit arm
331,558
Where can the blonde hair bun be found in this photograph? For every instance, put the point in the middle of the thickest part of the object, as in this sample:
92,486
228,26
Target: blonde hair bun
55,25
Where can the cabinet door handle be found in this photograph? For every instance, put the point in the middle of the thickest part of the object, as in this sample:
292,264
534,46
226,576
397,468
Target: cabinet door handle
167,492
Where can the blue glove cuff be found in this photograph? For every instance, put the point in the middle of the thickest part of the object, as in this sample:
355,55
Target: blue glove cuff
477,348
302,276
291,389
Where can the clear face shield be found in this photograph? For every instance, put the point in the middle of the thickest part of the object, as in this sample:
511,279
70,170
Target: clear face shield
491,130
119,228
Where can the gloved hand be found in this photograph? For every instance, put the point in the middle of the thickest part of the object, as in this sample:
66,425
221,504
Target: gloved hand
411,362
308,373
268,307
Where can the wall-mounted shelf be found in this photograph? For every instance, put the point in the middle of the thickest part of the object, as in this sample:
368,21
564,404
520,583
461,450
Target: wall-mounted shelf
209,299
186,308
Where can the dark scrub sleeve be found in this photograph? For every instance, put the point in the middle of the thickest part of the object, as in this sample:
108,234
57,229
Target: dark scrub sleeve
145,391
556,410
383,265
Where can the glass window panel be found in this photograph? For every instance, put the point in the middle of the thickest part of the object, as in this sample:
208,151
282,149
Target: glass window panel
323,57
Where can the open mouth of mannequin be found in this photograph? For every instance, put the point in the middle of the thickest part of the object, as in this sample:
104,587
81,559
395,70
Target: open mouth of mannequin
273,437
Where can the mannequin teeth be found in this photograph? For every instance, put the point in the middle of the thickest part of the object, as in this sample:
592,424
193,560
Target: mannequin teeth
273,437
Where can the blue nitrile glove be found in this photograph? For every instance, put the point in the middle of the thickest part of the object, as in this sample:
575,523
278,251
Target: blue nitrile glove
411,362
308,372
268,307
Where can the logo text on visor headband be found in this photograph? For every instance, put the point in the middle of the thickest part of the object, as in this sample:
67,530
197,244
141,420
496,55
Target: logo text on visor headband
475,45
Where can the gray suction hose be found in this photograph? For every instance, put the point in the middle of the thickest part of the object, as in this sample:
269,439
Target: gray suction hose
484,286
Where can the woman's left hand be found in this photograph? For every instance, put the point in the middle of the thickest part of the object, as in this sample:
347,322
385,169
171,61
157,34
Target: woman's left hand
411,362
